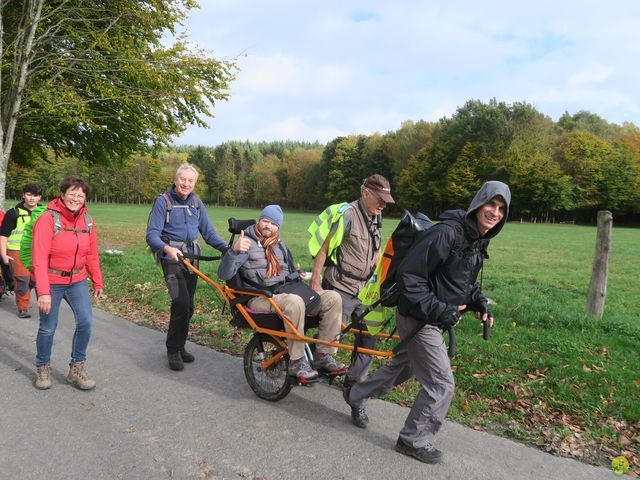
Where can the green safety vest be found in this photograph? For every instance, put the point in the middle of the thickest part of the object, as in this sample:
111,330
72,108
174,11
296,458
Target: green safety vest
24,217
330,221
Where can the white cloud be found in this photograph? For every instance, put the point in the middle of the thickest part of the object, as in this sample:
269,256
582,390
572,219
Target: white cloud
263,74
332,78
291,128
355,67
596,74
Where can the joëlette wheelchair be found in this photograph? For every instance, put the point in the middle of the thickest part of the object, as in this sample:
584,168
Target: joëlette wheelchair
266,356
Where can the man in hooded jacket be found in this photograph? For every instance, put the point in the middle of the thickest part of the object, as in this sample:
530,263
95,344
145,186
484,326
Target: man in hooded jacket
437,283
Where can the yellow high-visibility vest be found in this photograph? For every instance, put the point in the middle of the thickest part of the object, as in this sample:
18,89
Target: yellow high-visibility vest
330,221
24,217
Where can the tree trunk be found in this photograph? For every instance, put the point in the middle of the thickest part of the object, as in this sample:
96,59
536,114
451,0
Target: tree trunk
12,98
598,286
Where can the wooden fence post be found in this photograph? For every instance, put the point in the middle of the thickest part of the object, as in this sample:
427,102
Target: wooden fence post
598,285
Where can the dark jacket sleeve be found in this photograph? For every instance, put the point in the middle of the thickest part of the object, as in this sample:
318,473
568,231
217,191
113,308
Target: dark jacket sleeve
9,222
417,298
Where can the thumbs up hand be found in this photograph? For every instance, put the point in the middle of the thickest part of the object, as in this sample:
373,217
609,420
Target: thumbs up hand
242,244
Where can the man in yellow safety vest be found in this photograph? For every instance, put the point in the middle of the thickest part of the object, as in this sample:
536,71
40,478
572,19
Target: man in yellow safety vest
346,239
11,232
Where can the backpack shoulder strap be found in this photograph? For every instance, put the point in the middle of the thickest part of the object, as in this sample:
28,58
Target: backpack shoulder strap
57,223
459,235
169,204
197,204
88,221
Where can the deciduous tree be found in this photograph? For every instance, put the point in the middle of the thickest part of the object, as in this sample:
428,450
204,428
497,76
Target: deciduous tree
100,79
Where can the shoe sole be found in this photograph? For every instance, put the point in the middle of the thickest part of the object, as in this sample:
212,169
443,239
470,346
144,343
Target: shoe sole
410,453
331,373
79,387
47,387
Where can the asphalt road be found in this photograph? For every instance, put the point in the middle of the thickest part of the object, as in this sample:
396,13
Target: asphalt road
144,421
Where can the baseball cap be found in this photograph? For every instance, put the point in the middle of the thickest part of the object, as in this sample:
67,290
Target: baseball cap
380,185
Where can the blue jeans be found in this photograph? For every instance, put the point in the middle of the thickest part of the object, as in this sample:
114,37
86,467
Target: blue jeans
78,298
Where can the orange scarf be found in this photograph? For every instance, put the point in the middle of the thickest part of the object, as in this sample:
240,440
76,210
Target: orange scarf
273,264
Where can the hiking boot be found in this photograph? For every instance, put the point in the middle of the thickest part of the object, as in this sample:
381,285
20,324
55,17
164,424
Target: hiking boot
300,368
186,356
43,377
358,414
175,361
326,362
79,378
425,455
24,314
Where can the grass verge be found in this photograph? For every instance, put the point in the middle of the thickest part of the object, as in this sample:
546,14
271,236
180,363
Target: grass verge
550,376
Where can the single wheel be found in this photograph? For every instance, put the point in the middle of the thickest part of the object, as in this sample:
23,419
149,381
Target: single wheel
271,384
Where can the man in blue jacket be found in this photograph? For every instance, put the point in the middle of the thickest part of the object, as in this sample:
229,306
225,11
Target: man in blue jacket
177,219
436,284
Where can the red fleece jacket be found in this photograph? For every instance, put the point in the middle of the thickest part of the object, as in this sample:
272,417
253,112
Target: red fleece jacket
67,251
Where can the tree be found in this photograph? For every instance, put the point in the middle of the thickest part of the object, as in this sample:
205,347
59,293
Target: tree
96,80
300,167
345,173
582,155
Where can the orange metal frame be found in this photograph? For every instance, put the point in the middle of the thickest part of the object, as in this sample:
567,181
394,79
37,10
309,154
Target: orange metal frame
229,294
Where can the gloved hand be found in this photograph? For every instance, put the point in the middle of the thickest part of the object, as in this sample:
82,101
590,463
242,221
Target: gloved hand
449,318
481,307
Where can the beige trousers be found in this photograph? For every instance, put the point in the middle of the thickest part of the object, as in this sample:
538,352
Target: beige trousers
330,312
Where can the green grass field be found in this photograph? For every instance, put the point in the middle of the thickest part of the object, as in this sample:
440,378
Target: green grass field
549,376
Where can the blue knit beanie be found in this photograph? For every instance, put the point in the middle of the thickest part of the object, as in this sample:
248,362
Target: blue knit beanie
273,213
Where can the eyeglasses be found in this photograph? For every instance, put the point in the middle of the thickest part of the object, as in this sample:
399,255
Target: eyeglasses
79,196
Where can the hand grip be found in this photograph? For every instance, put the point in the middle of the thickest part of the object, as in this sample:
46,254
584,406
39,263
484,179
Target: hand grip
486,329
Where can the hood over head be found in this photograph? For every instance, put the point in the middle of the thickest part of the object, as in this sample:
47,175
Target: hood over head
489,190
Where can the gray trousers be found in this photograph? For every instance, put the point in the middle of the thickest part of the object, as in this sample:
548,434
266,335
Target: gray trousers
360,362
425,358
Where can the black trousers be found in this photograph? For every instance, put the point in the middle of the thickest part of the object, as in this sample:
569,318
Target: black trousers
181,285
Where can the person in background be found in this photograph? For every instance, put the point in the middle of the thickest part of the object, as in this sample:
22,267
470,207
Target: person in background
177,219
64,255
352,248
11,231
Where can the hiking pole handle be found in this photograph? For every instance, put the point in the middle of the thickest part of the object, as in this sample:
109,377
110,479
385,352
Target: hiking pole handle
486,329
452,342
199,257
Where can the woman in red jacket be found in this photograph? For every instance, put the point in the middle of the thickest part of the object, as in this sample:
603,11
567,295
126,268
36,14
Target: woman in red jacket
64,255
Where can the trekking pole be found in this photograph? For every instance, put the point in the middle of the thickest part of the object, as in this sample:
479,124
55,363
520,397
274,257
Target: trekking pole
486,329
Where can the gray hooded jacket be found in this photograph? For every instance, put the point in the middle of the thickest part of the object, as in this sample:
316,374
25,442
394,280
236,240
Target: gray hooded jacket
252,265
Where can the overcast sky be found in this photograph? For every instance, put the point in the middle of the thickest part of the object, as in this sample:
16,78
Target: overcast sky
316,70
